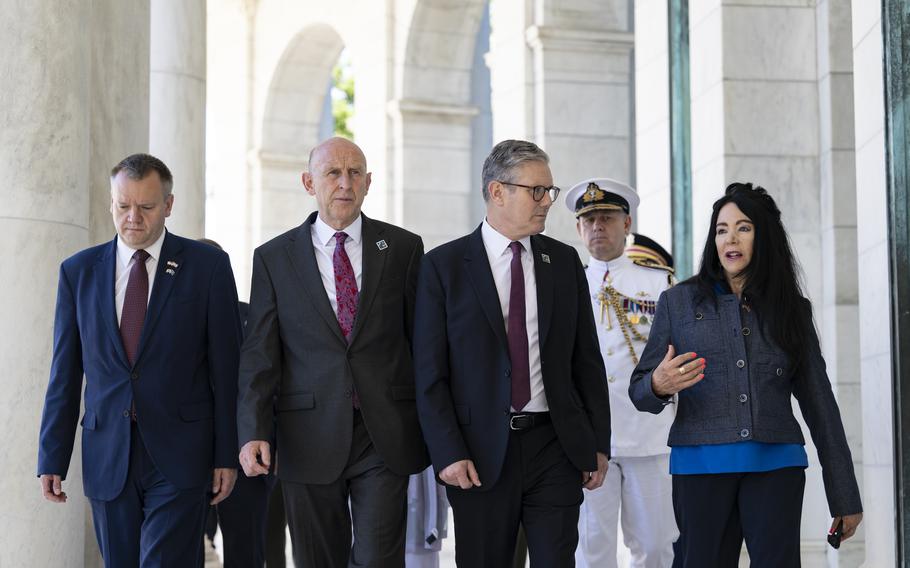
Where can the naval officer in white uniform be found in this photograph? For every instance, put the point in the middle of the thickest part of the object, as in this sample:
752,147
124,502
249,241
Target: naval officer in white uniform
624,295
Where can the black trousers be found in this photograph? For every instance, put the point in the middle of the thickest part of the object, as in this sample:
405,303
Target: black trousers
242,517
539,489
320,519
715,512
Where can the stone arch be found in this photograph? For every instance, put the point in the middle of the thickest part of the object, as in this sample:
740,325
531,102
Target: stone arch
431,116
290,127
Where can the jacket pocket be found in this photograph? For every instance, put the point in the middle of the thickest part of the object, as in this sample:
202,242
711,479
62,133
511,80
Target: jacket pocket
89,420
773,390
196,411
708,398
403,392
463,413
296,401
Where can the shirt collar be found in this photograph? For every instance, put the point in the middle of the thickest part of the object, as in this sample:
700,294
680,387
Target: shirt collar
496,243
125,252
326,234
604,266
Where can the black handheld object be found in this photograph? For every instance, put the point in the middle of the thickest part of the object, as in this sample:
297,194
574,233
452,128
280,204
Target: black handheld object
835,537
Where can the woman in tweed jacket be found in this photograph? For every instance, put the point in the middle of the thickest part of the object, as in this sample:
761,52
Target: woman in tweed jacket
746,342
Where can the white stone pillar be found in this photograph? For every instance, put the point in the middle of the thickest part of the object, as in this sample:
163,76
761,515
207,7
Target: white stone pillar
837,311
875,346
652,121
177,106
573,62
44,217
432,148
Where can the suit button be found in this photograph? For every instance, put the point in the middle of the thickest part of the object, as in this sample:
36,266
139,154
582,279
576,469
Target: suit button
698,315
347,393
134,376
744,433
126,413
740,363
743,397
508,372
746,331
779,371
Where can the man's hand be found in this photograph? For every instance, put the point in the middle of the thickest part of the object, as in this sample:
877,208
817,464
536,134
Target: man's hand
594,479
52,488
255,458
461,474
223,479
851,522
676,373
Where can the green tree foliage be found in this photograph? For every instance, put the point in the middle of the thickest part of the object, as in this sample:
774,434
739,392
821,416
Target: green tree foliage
342,97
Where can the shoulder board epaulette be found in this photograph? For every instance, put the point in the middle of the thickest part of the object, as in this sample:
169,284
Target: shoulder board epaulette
648,263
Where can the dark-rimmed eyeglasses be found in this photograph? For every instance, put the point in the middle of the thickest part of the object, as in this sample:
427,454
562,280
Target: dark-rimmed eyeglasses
537,191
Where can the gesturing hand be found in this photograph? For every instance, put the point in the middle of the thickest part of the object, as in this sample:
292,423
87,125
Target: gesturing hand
676,373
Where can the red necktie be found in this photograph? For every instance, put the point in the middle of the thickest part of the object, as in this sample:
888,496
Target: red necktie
346,294
135,304
518,333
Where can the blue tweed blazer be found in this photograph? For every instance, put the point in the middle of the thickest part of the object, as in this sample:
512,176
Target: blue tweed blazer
745,397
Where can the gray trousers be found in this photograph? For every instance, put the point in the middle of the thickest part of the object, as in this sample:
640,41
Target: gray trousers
320,518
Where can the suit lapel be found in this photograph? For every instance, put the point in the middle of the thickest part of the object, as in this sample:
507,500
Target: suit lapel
543,273
165,275
105,270
303,260
373,264
478,266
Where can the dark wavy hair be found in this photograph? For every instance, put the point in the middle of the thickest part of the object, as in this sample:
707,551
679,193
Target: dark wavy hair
772,278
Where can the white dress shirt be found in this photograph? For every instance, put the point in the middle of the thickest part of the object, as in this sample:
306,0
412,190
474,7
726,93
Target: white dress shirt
125,263
324,247
500,257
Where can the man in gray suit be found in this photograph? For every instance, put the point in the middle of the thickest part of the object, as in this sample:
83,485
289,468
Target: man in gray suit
329,332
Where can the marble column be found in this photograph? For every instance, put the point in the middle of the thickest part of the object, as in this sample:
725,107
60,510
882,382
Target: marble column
873,258
566,85
435,185
837,312
177,106
44,217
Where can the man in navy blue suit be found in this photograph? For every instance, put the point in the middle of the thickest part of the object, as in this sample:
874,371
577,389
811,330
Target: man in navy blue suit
511,390
150,319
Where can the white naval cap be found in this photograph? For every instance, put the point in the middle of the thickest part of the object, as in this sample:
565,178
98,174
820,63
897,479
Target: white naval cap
601,193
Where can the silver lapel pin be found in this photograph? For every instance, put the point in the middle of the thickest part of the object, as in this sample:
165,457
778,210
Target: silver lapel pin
545,258
170,271
382,245
172,264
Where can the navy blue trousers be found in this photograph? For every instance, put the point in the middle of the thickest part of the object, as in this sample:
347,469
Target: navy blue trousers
716,512
152,523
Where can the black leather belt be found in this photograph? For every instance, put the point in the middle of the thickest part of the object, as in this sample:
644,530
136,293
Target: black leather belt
526,420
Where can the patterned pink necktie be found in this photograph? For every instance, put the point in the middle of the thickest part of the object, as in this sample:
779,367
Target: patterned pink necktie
518,333
346,294
135,304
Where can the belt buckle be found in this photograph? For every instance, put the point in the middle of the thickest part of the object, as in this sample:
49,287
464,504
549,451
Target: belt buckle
515,422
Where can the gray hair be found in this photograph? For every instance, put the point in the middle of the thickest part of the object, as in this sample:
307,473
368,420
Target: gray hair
139,166
505,157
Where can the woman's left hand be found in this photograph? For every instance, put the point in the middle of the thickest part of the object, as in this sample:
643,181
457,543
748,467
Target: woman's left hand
851,522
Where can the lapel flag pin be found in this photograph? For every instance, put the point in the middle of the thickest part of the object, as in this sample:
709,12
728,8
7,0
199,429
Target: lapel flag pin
382,245
545,258
170,271
172,264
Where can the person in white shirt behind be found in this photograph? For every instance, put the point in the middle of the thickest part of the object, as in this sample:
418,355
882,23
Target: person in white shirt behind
623,294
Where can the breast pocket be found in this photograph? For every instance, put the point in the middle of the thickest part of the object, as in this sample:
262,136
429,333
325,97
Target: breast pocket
700,333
